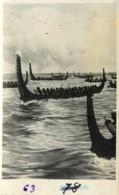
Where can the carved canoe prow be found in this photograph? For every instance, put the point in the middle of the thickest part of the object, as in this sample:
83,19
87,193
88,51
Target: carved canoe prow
101,146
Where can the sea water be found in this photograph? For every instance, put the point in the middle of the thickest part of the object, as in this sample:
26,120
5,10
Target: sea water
50,139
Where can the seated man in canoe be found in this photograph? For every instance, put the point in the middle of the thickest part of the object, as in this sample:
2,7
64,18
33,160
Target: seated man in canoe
111,125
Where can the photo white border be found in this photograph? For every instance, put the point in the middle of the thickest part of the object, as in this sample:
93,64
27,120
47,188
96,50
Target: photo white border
52,187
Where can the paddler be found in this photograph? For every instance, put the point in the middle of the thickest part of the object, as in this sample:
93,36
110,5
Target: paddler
111,125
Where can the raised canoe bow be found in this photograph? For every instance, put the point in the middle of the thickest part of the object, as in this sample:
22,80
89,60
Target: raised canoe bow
26,81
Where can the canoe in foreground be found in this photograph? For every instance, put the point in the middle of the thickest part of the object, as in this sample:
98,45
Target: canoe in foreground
57,93
101,146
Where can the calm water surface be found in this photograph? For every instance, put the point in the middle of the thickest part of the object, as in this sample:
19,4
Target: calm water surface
50,139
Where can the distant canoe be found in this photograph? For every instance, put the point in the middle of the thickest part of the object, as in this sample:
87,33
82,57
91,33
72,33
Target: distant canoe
94,80
14,84
51,78
60,76
83,76
113,76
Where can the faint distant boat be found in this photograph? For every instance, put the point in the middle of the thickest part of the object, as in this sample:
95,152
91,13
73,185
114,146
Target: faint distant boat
14,84
100,74
94,80
60,76
51,78
95,74
84,76
57,93
101,146
113,76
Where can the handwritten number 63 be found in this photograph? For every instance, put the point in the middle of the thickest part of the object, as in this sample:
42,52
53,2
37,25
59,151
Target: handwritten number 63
26,188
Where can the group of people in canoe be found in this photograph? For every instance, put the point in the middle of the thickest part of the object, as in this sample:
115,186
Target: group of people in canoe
10,84
90,80
112,84
65,92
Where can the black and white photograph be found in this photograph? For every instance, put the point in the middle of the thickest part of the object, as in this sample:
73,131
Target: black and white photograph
59,91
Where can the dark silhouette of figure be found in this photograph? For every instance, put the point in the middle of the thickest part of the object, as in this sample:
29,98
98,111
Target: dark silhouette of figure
101,146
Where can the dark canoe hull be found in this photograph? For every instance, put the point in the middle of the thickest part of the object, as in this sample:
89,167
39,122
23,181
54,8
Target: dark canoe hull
113,76
101,146
15,83
83,76
52,78
27,95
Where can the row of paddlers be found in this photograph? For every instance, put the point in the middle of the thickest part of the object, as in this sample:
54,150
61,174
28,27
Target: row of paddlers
65,92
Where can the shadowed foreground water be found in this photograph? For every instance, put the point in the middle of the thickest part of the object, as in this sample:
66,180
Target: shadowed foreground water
50,139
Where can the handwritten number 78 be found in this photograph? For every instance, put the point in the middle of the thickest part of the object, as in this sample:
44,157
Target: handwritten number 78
73,188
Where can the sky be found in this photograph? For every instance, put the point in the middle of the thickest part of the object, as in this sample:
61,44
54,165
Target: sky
78,37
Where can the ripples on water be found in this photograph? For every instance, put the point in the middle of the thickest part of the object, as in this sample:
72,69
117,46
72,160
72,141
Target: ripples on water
50,139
